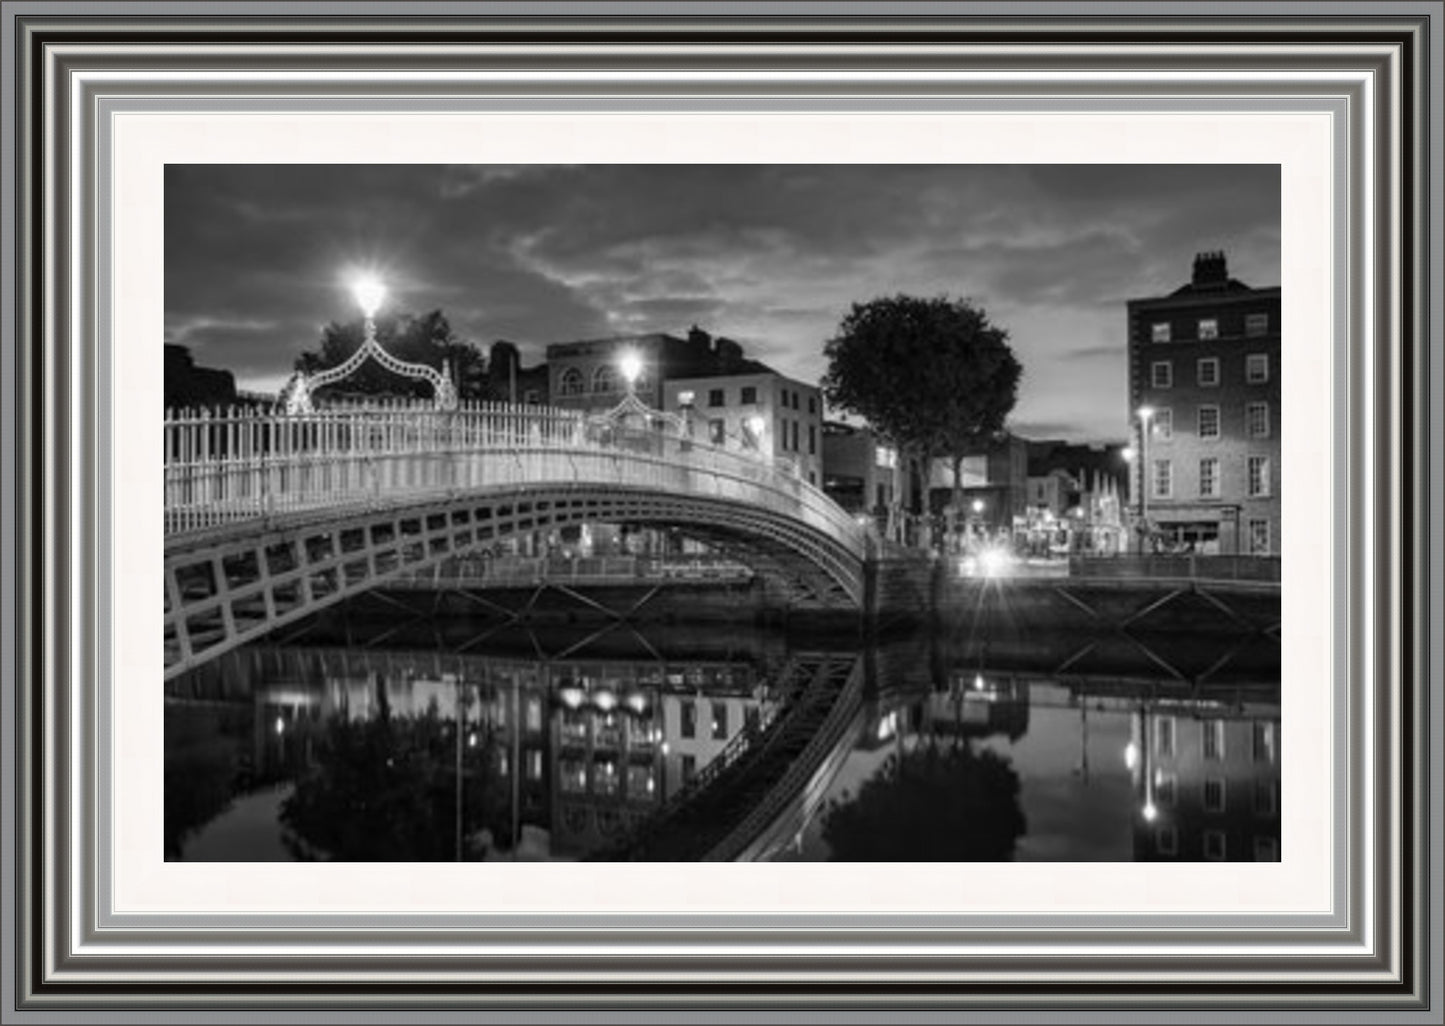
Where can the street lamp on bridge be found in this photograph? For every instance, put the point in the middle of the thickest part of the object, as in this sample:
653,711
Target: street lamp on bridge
1146,415
369,292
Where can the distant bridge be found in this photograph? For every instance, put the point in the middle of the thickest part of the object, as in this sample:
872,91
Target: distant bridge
270,517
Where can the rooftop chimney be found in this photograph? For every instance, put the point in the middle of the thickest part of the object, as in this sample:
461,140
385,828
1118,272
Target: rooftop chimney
1210,269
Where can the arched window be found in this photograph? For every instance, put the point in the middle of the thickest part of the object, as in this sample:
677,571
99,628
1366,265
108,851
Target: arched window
571,382
606,379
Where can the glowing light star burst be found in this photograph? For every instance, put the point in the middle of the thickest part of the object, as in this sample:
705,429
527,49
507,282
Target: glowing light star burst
369,293
630,363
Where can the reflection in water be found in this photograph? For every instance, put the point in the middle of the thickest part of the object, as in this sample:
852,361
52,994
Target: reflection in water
681,746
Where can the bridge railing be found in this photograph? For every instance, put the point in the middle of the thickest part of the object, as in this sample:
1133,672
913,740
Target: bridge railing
240,464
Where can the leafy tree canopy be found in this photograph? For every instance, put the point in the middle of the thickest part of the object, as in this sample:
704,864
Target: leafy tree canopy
426,338
933,375
931,805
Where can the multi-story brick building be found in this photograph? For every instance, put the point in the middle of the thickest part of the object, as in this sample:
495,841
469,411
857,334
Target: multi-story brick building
1206,783
758,411
1204,401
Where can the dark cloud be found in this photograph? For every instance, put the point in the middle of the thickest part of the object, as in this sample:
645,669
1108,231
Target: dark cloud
257,256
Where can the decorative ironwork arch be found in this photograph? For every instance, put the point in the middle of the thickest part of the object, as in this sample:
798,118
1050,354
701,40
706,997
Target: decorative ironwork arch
296,394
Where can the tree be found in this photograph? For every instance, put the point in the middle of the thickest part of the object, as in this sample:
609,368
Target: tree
934,376
935,804
427,339
384,790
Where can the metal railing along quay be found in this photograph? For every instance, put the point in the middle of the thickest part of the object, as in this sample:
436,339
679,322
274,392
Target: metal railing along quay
520,571
1185,567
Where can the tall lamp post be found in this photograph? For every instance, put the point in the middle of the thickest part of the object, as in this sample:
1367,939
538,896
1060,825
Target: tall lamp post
1146,414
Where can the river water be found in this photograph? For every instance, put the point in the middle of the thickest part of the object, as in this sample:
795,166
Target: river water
392,730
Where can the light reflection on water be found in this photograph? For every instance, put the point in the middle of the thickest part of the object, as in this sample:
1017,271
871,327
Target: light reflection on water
570,744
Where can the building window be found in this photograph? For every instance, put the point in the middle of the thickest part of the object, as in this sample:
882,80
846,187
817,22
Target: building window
1207,372
1160,332
1208,329
1259,537
1214,847
689,719
1166,840
1209,478
1164,736
1266,849
717,431
750,395
1266,797
534,764
1256,324
719,721
812,440
1162,374
1264,742
605,379
689,768
1212,738
1258,478
1209,422
571,382
1214,795
794,446
1256,420
812,404
1166,789
1163,479
1163,425
1256,368
532,397
716,397
795,400
534,715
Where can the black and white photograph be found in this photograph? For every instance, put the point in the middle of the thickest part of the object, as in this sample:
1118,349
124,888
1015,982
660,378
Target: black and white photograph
722,512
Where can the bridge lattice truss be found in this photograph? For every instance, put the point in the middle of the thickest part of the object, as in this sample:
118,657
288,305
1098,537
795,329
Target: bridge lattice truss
272,518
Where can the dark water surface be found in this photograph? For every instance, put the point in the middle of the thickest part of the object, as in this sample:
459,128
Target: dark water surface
381,735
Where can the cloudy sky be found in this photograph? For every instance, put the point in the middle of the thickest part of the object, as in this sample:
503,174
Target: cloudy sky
258,256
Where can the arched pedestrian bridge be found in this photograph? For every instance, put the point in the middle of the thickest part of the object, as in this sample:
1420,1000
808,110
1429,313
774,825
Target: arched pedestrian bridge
272,517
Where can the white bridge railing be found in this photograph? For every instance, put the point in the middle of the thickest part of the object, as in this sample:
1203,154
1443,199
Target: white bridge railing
237,465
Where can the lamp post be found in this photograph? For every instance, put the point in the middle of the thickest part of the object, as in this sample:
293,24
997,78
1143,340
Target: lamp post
630,365
370,293
1146,413
755,425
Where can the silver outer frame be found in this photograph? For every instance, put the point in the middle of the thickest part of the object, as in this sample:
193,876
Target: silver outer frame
1384,99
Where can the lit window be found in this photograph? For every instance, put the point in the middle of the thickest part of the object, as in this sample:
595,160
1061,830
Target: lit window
1162,374
1266,849
1214,848
1256,368
1258,477
1209,478
1207,371
571,382
1212,735
1256,324
1163,479
1164,735
719,721
1208,329
1256,420
1259,537
1160,332
1214,795
534,764
1209,422
1264,741
1163,425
